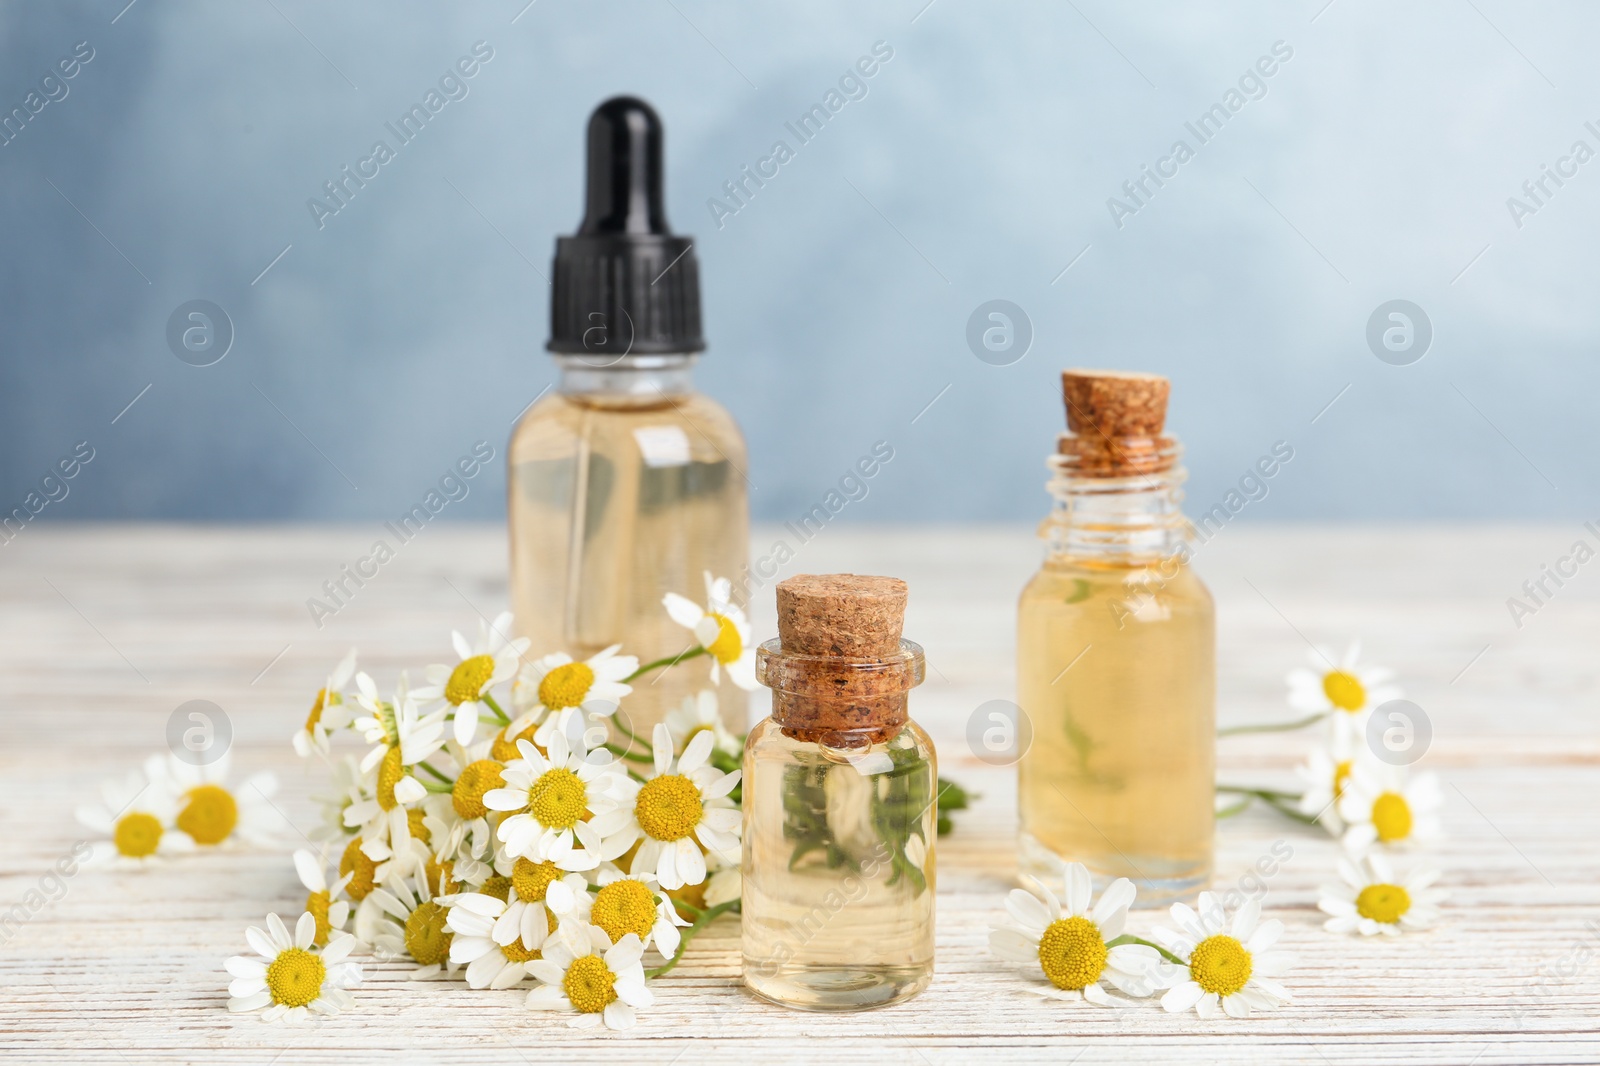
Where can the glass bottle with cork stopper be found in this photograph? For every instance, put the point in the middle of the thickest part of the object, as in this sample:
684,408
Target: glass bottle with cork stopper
625,483
839,804
1116,657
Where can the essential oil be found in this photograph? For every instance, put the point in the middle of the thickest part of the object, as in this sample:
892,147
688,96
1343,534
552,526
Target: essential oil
1116,660
840,810
624,483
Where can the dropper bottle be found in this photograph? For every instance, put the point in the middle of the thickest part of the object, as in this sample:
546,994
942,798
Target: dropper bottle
625,483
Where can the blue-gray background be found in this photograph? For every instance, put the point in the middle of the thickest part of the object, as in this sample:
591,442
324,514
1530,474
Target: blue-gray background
378,348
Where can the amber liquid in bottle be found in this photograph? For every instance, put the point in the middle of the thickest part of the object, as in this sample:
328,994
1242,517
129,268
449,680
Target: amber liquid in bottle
625,485
1116,674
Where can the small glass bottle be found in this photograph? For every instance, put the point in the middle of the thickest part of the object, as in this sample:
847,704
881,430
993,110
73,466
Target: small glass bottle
624,483
1116,659
840,811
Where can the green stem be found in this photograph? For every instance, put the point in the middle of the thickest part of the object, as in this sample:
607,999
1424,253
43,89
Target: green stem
705,919
436,773
433,787
1129,938
1237,808
488,701
1277,799
1262,792
1287,811
671,660
627,753
1273,727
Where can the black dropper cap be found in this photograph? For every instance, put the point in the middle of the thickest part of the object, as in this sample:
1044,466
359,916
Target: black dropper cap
623,284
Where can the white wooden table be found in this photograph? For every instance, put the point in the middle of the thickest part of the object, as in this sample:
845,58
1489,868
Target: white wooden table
105,630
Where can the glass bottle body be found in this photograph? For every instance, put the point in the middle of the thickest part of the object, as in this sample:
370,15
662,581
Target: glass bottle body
838,897
1116,672
624,485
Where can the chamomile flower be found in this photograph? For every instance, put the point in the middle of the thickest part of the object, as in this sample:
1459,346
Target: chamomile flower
584,972
1343,687
495,938
136,814
626,903
329,710
292,979
1226,964
1372,900
698,714
721,629
401,738
211,812
1383,804
1325,773
554,803
1071,945
675,812
563,688
491,659
329,913
402,916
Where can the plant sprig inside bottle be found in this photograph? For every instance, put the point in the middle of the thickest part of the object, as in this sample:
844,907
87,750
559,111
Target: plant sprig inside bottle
860,789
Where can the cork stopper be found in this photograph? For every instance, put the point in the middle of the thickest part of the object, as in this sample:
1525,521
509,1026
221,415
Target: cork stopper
1115,420
839,670
843,615
1115,403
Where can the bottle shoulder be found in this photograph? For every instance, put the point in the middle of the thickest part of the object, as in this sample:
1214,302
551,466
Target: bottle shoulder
768,740
688,421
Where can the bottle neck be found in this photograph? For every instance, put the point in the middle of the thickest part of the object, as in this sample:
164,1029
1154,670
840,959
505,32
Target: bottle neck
642,376
1131,520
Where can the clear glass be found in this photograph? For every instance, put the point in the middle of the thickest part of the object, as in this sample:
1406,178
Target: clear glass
1116,670
624,485
838,895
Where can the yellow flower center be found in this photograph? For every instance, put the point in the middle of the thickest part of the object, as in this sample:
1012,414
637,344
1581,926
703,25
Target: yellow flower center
558,799
566,686
1391,817
668,807
475,779
317,904
416,821
497,886
1220,964
426,938
504,748
137,834
532,879
390,771
727,647
1344,691
588,984
209,815
295,977
364,871
323,700
1383,903
467,679
438,875
516,952
1072,953
1341,774
624,907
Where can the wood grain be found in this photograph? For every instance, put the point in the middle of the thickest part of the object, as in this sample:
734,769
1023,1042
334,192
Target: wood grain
107,629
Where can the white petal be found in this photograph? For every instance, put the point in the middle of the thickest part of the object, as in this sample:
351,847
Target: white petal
1079,887
1181,997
